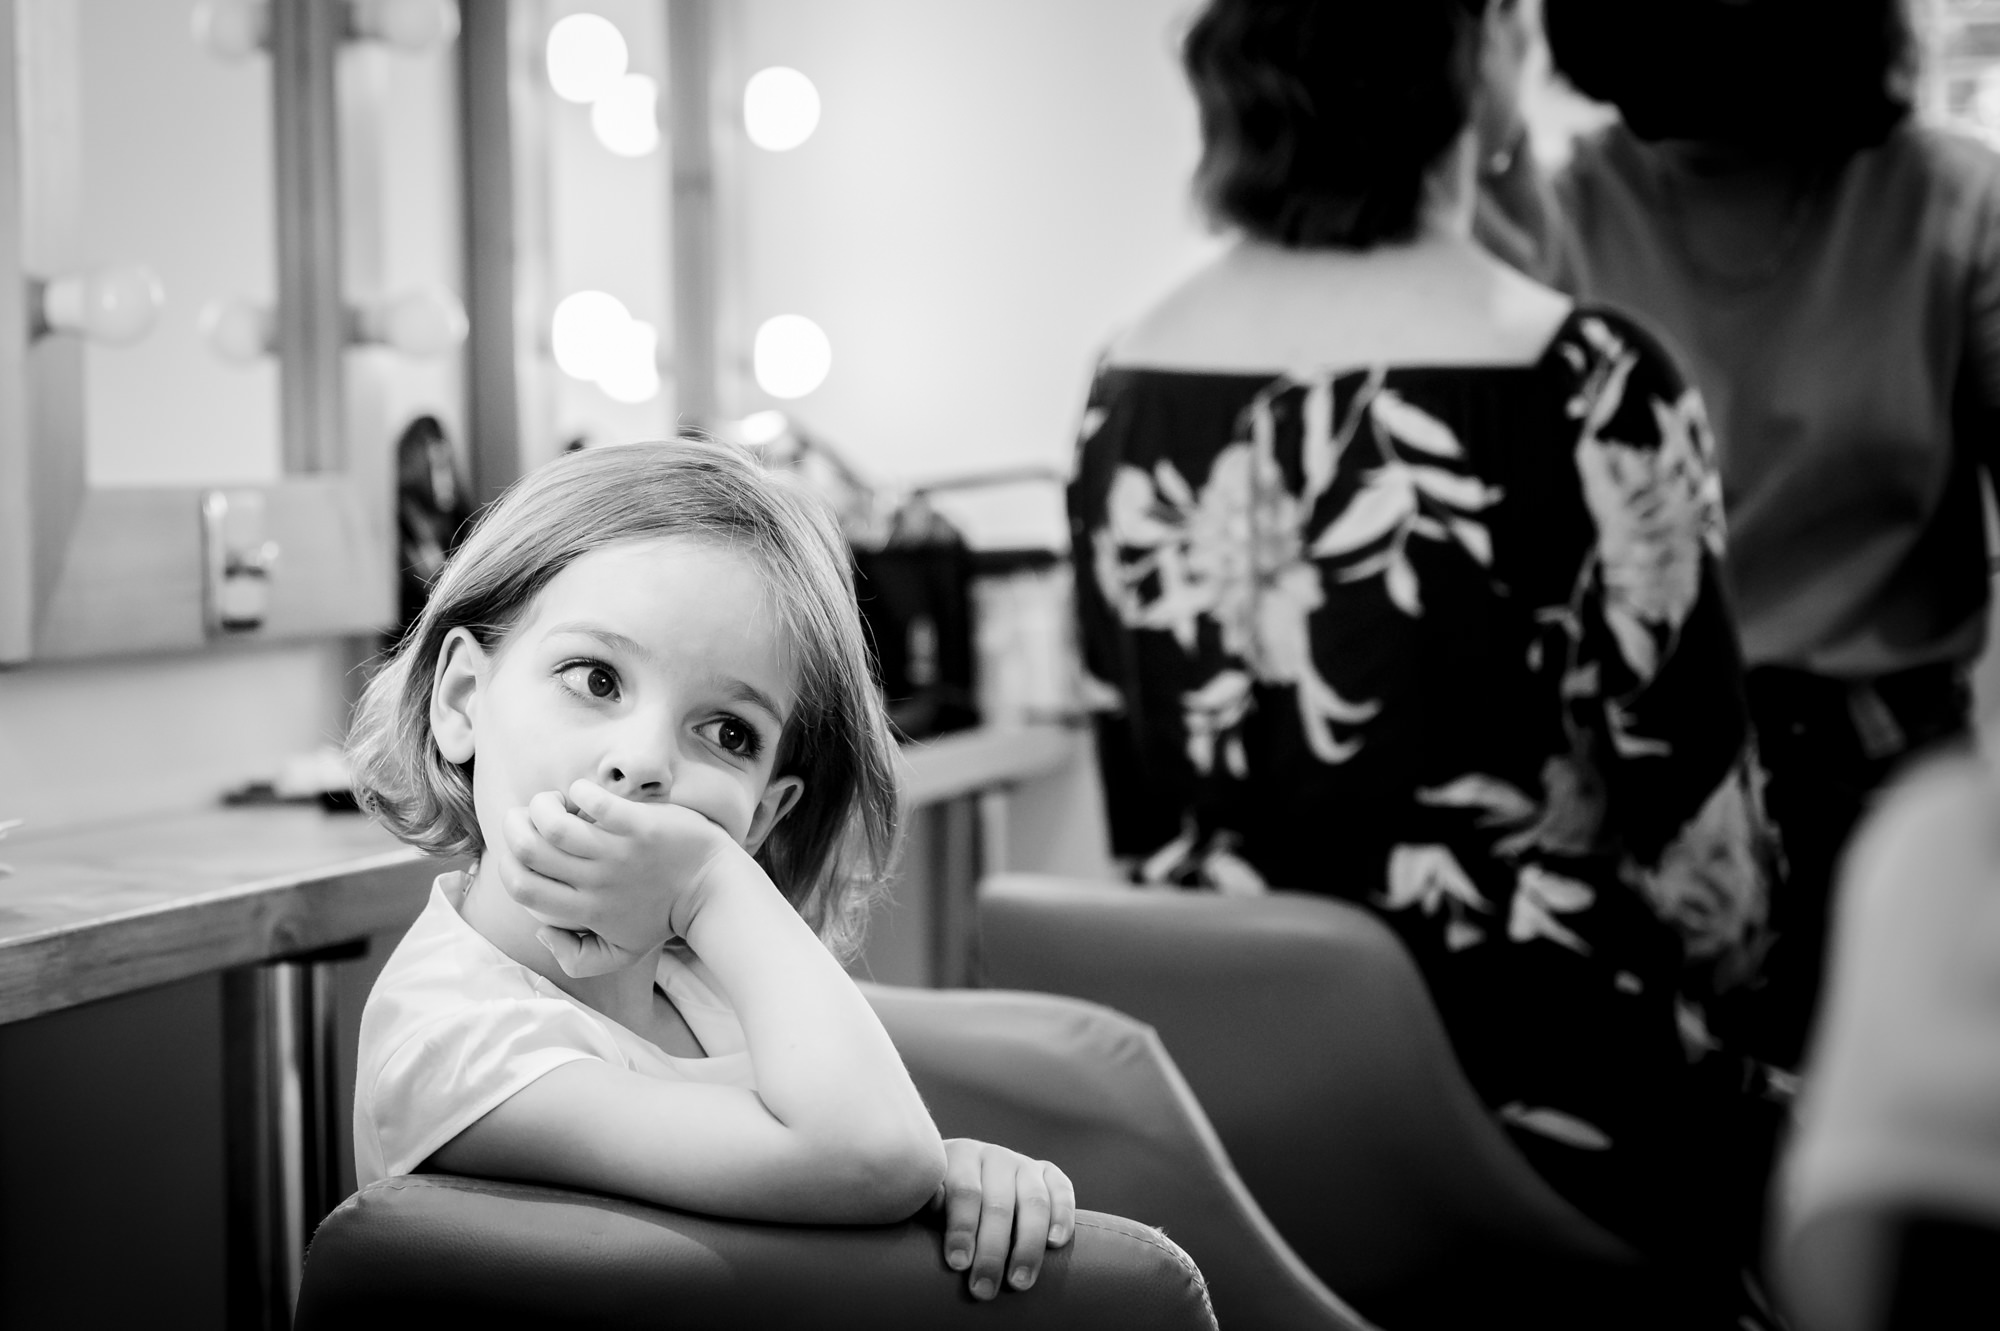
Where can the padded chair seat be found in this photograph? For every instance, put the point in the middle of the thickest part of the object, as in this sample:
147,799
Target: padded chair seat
438,1251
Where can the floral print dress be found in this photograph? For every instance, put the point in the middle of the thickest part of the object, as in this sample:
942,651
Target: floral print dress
1449,643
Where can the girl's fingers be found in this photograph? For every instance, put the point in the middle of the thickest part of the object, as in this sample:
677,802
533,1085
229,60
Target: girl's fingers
595,804
1031,1224
580,954
997,1181
962,1195
562,829
535,853
1062,1205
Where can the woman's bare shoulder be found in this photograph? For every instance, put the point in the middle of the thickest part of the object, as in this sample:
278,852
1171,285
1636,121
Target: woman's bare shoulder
1273,313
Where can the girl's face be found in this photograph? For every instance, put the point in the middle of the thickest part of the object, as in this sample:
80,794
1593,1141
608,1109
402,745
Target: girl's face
656,668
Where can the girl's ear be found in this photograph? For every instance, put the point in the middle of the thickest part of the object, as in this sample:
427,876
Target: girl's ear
461,674
781,796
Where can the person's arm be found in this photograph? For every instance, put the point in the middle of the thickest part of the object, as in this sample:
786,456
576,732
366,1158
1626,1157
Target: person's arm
834,1131
1658,671
1983,337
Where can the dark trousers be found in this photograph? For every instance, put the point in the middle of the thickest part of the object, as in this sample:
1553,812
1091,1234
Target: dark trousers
1828,746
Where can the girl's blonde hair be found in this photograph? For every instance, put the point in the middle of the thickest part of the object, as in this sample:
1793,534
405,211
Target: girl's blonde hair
831,855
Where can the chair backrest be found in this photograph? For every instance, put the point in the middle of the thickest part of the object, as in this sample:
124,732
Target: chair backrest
1094,1091
1307,1035
436,1250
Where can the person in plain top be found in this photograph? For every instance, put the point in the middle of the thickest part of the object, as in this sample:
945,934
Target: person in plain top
1404,574
1831,270
639,697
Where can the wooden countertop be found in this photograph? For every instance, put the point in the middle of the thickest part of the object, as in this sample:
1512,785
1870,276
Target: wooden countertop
98,911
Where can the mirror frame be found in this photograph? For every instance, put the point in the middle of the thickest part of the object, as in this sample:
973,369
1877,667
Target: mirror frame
90,572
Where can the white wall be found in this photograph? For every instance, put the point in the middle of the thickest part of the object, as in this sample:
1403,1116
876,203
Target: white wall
91,742
994,185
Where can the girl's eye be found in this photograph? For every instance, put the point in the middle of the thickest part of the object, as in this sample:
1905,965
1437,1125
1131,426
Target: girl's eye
734,736
594,680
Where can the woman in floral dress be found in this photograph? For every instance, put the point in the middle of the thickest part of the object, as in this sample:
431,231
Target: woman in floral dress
1404,576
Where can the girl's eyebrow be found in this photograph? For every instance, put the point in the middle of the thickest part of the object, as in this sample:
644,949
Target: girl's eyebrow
740,690
744,691
608,637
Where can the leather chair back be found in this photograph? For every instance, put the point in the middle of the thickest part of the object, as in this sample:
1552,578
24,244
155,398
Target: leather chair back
1066,1079
1307,1035
432,1250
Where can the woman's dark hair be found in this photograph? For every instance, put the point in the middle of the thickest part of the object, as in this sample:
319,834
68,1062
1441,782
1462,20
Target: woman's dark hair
1321,119
1798,77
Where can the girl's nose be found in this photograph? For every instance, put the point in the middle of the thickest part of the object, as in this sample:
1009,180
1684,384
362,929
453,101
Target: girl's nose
641,770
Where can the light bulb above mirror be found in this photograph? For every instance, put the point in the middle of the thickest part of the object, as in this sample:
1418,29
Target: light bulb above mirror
232,29
780,108
410,26
238,330
424,322
625,119
238,29
595,338
112,306
791,356
586,55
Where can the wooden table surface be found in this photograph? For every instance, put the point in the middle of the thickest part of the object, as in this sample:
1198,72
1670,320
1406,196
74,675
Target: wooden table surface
98,911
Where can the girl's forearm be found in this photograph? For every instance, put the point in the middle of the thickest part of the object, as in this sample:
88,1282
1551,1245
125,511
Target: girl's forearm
825,1067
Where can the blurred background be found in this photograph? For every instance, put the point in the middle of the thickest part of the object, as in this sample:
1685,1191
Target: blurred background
289,287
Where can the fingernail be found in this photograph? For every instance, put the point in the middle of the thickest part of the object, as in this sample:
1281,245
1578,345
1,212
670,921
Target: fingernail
1023,1277
982,1288
958,1259
1058,1235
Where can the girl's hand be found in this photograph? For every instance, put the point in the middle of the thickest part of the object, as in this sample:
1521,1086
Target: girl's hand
1002,1211
610,879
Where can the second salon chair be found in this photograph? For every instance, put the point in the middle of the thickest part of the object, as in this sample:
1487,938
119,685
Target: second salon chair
1307,1036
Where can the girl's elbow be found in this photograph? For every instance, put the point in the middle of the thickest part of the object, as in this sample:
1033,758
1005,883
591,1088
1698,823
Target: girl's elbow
893,1179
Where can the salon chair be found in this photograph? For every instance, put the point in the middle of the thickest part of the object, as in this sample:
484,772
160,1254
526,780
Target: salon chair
1054,1077
1306,1033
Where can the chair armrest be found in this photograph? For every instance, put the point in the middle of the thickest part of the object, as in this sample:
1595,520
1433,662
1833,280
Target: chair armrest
436,1249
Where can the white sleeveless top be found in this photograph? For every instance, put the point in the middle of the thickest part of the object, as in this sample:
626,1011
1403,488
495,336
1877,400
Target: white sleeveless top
454,1026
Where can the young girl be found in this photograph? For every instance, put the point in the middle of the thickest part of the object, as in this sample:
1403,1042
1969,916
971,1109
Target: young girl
640,698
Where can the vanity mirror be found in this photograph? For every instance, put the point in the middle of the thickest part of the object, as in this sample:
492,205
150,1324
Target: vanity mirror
206,305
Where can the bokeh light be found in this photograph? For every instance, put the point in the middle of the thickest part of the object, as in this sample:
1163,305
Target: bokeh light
586,57
791,356
586,331
780,108
762,427
632,373
625,118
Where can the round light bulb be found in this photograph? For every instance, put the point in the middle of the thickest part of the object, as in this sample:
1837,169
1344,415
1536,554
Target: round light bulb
762,427
426,322
625,118
232,29
633,374
780,108
411,26
586,55
237,330
114,306
791,356
585,333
